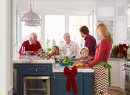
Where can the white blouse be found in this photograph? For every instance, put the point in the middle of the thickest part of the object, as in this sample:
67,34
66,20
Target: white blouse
71,49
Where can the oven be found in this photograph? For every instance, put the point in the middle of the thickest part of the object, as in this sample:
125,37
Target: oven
36,85
126,67
127,82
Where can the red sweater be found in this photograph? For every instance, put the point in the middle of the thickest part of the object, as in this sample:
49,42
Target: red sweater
102,52
90,43
32,47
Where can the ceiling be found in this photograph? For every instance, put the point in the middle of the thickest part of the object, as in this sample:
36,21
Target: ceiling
60,6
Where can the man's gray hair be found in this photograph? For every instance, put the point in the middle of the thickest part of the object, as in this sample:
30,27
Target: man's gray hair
66,34
32,35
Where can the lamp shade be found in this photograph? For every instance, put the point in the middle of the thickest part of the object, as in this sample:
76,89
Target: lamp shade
33,23
30,16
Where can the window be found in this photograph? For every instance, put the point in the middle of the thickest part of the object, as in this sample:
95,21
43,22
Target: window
75,22
27,30
54,30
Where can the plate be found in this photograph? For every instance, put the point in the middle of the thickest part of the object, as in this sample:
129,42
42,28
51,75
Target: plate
64,64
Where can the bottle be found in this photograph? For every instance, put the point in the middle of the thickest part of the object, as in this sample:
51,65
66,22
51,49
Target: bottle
128,53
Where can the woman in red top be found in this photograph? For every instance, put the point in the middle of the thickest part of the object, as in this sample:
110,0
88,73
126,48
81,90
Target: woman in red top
101,56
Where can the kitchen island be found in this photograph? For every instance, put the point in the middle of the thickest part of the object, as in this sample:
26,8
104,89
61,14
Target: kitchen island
44,68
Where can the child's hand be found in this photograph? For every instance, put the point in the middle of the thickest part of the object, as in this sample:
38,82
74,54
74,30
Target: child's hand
76,59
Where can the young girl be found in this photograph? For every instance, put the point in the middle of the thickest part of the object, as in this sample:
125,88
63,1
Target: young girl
54,51
84,52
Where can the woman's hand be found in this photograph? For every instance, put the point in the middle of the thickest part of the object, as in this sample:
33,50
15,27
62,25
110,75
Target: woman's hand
85,64
87,60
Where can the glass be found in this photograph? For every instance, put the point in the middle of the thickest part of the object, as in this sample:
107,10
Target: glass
105,11
109,24
56,65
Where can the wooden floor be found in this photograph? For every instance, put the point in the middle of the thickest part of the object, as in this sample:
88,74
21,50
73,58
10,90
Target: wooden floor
114,92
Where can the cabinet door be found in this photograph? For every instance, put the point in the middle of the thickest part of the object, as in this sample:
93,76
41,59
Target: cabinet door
122,76
120,10
121,33
19,81
115,73
59,81
109,23
88,84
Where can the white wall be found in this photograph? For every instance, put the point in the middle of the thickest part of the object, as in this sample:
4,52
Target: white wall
5,53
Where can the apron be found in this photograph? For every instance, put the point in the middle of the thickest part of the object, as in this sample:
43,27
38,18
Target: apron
100,78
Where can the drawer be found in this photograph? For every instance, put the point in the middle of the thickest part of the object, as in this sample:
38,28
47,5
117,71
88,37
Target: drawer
37,69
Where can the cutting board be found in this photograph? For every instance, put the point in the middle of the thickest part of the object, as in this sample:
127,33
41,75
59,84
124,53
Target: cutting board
78,67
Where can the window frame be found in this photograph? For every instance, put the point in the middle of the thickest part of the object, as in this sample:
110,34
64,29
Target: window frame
19,34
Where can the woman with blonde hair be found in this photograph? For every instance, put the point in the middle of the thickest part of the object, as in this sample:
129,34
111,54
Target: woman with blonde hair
99,64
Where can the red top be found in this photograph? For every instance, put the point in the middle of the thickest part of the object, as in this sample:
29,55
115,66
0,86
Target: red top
90,43
32,47
52,54
102,52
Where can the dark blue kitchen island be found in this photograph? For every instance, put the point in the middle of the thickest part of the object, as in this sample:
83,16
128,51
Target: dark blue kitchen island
53,77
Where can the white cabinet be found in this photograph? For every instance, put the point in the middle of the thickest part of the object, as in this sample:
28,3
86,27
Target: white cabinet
115,73
122,76
105,14
121,33
120,10
128,18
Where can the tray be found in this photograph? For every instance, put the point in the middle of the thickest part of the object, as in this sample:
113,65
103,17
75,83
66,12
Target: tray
79,67
64,64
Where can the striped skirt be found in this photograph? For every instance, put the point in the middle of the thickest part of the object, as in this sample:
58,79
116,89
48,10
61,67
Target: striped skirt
100,78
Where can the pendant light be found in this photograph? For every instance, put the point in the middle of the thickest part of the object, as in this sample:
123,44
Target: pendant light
33,23
31,18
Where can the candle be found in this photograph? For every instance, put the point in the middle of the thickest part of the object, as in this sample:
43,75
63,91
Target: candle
24,49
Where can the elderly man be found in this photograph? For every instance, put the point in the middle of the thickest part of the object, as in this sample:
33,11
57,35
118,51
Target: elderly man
70,48
31,45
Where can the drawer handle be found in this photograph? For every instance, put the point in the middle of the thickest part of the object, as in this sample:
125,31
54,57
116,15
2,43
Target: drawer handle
36,70
54,77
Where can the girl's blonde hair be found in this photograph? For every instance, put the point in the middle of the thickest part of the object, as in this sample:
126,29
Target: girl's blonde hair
84,48
57,49
103,30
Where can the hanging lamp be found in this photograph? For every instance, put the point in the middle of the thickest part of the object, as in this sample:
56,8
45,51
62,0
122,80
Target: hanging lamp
31,18
33,23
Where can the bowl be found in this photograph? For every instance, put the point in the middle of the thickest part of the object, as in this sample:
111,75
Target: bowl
64,64
71,58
